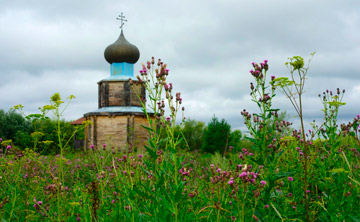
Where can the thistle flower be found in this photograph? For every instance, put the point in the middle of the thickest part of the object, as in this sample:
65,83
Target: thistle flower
290,179
263,182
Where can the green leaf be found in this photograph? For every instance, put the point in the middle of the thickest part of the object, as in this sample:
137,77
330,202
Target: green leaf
148,129
338,170
151,152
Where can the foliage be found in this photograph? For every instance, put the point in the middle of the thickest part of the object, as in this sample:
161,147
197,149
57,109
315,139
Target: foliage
216,136
49,143
167,183
294,89
235,139
192,131
15,127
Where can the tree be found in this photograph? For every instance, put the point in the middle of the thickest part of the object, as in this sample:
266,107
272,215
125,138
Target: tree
15,127
193,132
216,136
235,139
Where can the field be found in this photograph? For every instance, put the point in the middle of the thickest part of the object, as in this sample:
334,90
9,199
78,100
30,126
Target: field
284,174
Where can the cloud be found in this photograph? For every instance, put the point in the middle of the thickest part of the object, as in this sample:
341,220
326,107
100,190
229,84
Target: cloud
50,47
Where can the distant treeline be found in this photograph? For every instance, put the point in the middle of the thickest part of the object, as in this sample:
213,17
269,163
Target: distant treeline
41,134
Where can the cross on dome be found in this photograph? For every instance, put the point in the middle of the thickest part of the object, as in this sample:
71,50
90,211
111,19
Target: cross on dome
122,19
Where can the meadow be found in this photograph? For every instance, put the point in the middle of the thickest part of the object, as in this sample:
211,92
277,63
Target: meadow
284,174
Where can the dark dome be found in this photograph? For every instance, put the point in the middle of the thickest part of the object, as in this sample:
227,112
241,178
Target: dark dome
121,51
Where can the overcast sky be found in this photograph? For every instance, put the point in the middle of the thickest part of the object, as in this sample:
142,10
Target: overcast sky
58,46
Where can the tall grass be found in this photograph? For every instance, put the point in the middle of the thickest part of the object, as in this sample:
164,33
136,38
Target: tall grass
163,183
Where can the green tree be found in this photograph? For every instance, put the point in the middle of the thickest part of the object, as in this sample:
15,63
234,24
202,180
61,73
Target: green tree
15,127
193,132
216,136
49,143
235,139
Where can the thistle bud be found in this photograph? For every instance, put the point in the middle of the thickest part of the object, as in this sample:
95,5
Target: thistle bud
251,86
152,60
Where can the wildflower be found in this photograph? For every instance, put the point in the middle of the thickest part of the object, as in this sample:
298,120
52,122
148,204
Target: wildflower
218,170
113,201
92,146
231,182
266,206
8,147
263,182
140,156
290,194
78,218
290,179
243,174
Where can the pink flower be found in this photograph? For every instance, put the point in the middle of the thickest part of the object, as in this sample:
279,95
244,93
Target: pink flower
243,174
231,182
218,170
263,182
140,156
266,206
290,179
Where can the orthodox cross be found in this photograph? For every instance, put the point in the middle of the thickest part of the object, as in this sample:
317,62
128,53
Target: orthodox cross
122,19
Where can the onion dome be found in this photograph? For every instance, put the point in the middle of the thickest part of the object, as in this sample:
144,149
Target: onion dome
122,51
